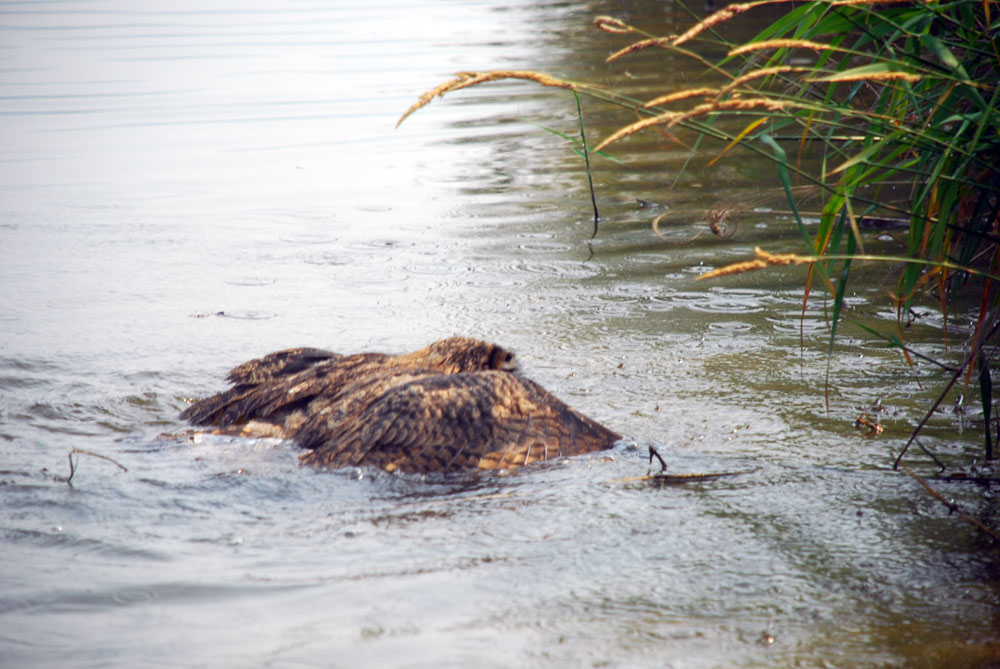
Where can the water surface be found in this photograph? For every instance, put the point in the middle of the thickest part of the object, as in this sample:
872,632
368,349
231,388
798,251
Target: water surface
184,188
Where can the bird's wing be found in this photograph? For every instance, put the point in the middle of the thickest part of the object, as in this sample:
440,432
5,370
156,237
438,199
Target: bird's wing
280,363
289,379
332,414
440,423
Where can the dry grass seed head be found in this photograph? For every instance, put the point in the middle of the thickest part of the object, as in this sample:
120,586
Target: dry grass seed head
528,75
721,16
764,259
425,99
736,104
763,72
726,13
874,76
466,79
610,24
782,44
742,104
682,95
735,268
633,128
671,119
638,46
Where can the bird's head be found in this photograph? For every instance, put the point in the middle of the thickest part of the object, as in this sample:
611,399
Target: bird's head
464,354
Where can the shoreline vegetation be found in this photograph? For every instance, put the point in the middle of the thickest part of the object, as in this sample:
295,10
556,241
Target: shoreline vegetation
891,111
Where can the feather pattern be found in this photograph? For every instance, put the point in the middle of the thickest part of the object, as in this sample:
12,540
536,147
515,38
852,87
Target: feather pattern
454,405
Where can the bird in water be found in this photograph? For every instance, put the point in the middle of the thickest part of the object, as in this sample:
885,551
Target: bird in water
455,405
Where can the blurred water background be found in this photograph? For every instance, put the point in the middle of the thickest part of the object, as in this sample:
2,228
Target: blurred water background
187,185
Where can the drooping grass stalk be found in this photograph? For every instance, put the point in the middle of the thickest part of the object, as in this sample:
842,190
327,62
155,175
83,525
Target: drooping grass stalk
765,259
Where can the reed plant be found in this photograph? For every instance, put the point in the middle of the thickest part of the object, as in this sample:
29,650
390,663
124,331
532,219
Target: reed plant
891,108
884,97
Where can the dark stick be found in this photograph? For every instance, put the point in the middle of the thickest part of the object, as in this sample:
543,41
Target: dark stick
81,451
986,394
952,505
958,373
652,453
72,468
931,455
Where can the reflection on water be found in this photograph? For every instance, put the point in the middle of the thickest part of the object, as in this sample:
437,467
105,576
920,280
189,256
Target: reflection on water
184,188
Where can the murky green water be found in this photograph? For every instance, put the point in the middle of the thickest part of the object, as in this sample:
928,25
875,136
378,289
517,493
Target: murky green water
185,188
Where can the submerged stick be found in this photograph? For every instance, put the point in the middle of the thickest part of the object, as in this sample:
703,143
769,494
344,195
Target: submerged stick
662,477
954,379
653,453
680,478
73,465
72,468
952,505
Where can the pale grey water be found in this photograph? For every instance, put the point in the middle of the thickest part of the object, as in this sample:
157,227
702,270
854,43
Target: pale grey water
187,186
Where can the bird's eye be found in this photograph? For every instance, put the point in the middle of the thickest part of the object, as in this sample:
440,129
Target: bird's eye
499,358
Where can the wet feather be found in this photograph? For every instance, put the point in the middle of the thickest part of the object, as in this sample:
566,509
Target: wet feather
456,404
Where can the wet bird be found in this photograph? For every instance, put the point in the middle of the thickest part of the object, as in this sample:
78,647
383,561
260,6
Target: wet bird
455,405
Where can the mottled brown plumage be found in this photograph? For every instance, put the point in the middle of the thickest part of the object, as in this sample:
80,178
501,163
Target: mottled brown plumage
283,383
455,405
442,423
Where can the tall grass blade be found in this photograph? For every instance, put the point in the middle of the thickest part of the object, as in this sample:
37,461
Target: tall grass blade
986,394
586,159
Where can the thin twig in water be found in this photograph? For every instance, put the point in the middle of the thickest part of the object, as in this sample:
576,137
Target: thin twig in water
954,379
72,468
671,479
652,454
952,505
926,358
930,455
80,451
